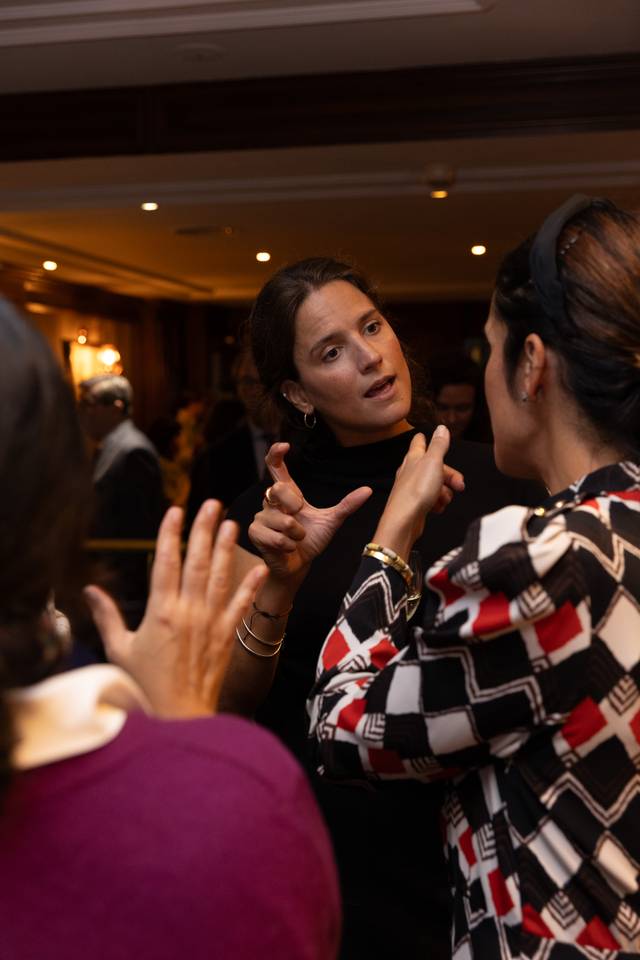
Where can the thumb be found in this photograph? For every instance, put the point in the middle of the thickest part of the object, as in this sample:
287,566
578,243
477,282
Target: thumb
109,622
439,443
349,504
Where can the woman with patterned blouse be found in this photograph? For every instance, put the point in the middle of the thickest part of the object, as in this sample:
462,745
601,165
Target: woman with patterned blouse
521,686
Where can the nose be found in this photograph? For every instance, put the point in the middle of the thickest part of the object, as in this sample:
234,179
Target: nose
368,355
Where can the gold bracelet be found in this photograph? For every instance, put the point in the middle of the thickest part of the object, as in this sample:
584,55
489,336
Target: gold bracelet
265,643
254,653
391,559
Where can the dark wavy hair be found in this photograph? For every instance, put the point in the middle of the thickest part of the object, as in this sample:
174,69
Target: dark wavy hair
271,328
597,336
44,501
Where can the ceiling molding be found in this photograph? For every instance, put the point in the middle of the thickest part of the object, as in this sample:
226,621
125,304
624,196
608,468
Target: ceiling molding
423,103
86,20
101,269
289,188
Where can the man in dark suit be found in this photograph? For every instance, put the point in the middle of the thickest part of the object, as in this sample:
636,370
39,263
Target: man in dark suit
128,497
225,468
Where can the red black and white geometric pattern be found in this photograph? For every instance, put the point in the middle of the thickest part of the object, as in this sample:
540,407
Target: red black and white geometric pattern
522,690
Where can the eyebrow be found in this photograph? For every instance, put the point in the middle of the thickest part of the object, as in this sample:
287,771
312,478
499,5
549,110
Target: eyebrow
332,336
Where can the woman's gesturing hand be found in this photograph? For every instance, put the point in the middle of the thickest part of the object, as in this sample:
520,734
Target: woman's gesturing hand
288,531
180,652
424,484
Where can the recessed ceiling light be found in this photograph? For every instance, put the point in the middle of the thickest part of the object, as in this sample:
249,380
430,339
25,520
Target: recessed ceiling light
149,206
263,256
49,265
478,249
439,194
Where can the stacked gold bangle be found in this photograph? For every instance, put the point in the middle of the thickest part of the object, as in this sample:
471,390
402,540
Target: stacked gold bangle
391,559
273,645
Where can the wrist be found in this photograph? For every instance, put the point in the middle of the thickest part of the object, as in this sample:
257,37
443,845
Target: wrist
396,536
277,594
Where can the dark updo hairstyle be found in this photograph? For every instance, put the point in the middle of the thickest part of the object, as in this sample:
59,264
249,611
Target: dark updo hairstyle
592,318
271,325
44,498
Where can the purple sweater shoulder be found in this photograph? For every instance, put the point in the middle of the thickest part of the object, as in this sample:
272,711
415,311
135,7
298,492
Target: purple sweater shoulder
195,838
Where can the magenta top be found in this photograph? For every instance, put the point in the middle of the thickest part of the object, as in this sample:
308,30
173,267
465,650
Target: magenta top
193,838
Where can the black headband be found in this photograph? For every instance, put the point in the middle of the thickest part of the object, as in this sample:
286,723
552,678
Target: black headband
543,258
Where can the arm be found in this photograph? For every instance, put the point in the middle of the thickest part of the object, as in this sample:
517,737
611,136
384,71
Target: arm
289,533
477,679
249,679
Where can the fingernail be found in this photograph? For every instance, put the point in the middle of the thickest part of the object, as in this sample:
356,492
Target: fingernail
440,430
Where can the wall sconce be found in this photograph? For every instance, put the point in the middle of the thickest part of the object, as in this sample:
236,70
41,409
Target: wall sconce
109,358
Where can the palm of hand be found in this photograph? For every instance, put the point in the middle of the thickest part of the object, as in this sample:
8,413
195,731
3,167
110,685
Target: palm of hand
289,532
319,526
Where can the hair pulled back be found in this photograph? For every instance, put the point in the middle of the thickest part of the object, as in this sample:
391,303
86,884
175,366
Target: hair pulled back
43,503
597,335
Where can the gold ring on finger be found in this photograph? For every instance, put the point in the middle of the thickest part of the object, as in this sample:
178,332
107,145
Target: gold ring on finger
267,496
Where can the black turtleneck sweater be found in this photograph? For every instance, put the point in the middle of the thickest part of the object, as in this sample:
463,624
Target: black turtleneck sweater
325,473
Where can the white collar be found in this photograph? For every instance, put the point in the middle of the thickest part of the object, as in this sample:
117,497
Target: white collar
71,713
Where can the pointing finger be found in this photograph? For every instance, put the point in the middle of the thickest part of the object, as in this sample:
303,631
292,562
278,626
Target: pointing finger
274,461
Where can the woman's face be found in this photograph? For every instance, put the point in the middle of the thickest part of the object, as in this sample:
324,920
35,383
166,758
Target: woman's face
351,367
508,423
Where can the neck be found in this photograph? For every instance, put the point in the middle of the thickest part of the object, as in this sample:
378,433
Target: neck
357,438
563,457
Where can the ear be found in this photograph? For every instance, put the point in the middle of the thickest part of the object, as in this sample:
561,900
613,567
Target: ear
296,396
535,362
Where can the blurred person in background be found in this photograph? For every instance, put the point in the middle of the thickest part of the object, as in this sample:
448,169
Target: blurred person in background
128,498
458,397
236,460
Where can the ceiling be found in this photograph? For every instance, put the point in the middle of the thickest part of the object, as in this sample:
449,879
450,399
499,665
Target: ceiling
369,202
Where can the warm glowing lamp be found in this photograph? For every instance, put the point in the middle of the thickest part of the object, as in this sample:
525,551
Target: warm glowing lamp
108,356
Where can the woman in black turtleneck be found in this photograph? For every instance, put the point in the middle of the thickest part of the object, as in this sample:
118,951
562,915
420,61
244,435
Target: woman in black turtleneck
326,354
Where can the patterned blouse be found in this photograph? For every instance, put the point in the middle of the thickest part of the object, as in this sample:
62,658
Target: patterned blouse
522,690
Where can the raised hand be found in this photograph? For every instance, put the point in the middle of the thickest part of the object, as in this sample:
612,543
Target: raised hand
424,484
180,652
289,532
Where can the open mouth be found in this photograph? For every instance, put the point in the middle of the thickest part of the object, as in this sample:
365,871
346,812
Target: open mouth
381,387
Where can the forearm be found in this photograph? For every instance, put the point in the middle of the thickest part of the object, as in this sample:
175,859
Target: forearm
396,535
256,651
369,636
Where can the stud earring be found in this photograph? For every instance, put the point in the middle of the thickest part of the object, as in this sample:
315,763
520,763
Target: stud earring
524,396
